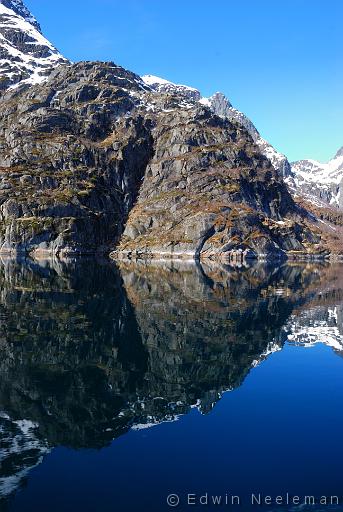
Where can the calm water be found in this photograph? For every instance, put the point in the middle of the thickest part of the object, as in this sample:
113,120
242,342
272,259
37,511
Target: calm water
121,386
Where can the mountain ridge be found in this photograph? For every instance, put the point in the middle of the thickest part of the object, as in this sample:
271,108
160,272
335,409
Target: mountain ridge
222,106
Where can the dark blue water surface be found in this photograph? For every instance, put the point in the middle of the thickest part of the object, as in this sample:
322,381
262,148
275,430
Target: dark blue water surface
123,385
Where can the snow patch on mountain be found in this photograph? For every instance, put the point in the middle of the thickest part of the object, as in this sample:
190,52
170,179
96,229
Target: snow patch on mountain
25,54
318,182
164,86
19,8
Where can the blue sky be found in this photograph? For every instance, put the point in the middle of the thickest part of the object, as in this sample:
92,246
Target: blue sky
280,61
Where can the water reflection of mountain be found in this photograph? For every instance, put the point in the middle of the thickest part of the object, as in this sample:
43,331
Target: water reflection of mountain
321,321
89,351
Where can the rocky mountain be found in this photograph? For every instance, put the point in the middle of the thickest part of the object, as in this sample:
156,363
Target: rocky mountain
93,159
317,182
222,107
25,54
97,159
308,180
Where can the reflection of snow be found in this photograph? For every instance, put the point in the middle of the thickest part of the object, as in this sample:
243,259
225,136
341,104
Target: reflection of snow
271,349
20,451
154,422
316,326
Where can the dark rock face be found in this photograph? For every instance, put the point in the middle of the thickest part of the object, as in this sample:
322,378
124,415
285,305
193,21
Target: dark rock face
208,192
71,160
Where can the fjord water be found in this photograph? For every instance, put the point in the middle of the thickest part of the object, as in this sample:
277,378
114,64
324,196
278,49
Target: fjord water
122,385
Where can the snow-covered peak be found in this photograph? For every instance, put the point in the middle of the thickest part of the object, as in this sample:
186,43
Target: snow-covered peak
164,86
25,54
329,172
18,7
157,82
318,182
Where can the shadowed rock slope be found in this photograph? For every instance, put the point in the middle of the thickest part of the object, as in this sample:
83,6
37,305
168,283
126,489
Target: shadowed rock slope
94,160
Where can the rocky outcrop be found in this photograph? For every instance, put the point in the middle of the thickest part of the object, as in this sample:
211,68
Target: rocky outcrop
18,7
223,108
71,160
166,87
208,192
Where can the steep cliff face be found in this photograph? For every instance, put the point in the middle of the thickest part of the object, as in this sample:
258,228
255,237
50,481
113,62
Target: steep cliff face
72,158
209,192
223,108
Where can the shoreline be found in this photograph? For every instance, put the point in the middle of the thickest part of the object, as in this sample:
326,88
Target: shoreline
233,258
